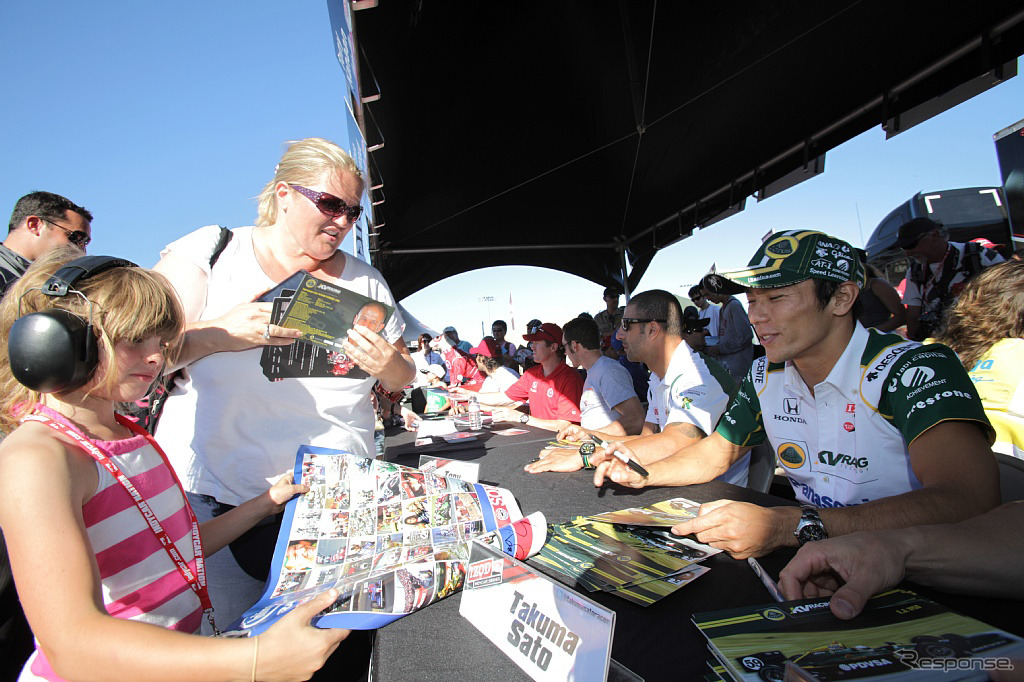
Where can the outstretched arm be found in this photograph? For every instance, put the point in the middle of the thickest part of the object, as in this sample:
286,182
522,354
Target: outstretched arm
855,567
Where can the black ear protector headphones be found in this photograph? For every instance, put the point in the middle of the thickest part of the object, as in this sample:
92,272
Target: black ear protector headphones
56,350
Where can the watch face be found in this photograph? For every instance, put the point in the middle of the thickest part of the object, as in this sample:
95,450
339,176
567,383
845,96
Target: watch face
587,448
811,532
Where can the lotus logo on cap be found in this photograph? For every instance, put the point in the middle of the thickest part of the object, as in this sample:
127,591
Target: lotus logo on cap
781,247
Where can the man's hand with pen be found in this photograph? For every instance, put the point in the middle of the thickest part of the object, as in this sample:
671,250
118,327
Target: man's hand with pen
617,463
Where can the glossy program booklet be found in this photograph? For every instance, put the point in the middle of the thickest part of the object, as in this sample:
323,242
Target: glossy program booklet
391,539
324,312
900,635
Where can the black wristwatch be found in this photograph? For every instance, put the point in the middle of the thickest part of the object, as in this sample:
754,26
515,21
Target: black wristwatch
586,450
810,527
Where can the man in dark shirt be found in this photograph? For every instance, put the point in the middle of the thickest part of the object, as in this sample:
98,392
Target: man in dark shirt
40,222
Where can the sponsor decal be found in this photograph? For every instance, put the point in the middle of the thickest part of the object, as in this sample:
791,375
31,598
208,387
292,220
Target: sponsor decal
486,572
915,376
533,387
829,458
848,426
930,384
859,665
820,252
819,263
792,455
851,408
781,247
789,418
939,395
843,264
820,501
808,608
887,360
687,402
551,393
791,405
773,614
759,366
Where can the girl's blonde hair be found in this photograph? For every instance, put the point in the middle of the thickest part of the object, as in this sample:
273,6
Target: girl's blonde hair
303,164
989,309
128,304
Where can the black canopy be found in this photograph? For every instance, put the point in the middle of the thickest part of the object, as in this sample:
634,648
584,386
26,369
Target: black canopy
574,134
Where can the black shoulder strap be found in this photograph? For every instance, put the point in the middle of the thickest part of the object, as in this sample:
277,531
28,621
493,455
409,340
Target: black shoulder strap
222,243
972,258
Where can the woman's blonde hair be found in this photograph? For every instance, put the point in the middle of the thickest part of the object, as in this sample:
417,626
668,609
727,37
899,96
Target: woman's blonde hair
303,164
989,309
128,304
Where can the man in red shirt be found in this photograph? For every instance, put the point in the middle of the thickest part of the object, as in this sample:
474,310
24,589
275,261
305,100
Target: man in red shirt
551,388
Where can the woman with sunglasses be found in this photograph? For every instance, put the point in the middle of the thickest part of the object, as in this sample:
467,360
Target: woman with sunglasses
225,426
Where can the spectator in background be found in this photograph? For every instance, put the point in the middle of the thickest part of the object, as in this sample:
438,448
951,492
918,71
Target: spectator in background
637,372
524,354
735,349
452,334
608,319
489,362
939,269
609,403
707,312
694,329
551,388
40,222
985,327
506,349
881,306
423,358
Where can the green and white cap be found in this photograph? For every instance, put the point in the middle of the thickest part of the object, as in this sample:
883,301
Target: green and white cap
790,257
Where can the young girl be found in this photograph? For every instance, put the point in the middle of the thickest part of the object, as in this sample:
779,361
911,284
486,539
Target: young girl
104,596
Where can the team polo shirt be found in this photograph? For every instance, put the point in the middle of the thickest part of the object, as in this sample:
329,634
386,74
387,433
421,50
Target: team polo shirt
556,396
695,390
847,443
608,384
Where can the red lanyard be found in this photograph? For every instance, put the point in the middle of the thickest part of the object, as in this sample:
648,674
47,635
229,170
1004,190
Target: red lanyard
197,580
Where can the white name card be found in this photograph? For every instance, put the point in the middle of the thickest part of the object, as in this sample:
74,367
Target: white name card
548,630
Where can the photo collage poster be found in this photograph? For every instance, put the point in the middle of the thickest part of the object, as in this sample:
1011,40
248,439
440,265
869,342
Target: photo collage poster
391,539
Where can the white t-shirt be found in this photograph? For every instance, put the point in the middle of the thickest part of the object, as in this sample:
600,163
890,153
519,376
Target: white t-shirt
691,393
228,430
711,313
500,380
608,384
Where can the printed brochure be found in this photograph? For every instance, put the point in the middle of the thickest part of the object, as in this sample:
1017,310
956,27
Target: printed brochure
899,635
391,539
324,312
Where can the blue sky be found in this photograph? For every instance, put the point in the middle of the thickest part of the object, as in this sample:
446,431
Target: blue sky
164,117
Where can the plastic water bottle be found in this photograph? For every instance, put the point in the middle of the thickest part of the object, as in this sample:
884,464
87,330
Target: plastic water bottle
476,420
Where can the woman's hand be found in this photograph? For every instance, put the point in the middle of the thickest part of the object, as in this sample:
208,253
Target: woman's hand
247,325
293,648
378,358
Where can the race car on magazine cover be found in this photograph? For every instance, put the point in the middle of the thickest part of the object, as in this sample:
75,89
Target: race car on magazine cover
836,661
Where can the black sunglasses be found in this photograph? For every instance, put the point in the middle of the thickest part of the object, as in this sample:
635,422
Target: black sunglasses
76,237
330,205
627,321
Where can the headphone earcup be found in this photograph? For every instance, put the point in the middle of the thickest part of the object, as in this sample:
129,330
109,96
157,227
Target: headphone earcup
53,350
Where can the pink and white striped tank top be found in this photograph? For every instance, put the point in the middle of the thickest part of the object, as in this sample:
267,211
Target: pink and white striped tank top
139,580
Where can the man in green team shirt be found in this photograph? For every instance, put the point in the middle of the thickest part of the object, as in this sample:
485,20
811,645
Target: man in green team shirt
872,430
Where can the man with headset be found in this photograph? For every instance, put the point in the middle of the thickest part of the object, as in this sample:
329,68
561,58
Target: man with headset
41,221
